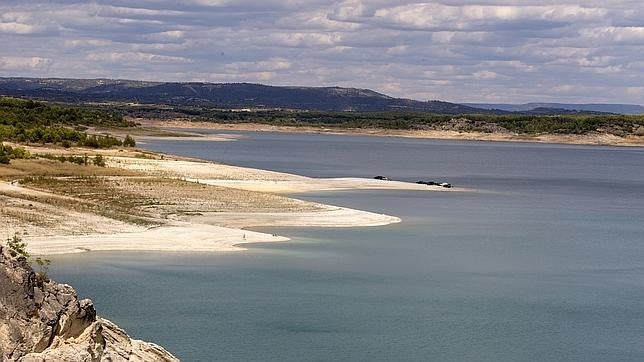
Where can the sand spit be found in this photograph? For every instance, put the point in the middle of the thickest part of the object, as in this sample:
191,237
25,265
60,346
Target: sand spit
321,185
331,216
251,179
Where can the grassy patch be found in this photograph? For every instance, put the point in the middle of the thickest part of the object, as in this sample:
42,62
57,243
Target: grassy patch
53,168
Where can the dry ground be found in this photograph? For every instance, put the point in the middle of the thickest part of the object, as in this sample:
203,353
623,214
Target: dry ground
49,197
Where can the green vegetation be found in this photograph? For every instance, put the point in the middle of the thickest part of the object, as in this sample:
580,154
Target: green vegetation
79,160
129,141
8,153
43,269
516,123
528,124
18,246
38,122
98,160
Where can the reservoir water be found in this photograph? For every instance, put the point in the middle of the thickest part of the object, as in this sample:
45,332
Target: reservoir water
545,261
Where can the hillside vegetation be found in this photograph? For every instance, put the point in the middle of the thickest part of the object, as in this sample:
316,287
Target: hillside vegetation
575,124
27,121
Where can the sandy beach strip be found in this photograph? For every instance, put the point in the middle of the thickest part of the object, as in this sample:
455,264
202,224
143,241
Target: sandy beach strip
218,232
251,179
322,185
330,216
187,237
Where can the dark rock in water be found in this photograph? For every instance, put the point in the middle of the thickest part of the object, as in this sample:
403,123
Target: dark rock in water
41,320
432,183
428,183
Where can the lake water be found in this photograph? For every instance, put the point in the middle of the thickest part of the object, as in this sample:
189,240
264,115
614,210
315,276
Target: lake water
544,262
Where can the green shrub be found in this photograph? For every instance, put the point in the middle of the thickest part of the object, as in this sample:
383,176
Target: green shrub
18,246
129,141
8,153
99,161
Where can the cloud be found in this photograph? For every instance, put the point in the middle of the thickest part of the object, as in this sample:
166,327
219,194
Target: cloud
23,63
457,50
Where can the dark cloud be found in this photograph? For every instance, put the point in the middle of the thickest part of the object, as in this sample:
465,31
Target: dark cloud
459,50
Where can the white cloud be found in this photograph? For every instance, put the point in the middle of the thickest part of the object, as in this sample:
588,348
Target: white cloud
134,57
458,50
22,63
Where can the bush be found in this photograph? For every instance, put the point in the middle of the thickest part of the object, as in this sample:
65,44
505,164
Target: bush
99,161
129,141
43,269
4,156
18,246
8,153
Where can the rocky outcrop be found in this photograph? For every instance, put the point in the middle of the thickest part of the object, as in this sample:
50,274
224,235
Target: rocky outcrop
41,320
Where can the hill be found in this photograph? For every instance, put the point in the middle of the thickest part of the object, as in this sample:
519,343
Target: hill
221,95
579,108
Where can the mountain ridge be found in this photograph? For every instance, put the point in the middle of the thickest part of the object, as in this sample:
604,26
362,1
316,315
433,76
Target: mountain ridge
262,96
224,95
618,108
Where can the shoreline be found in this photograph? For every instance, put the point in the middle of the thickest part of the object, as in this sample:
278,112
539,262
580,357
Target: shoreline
192,226
582,140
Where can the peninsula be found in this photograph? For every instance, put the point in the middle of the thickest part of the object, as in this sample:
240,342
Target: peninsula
96,195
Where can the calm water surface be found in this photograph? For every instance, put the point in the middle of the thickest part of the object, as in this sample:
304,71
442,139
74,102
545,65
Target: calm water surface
545,262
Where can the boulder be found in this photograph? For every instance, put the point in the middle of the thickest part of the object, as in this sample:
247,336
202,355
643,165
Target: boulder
41,320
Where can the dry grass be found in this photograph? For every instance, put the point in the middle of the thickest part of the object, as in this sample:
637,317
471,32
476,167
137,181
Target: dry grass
153,200
52,168
63,198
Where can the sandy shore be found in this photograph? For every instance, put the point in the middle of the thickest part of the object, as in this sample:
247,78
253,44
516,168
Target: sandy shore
195,206
188,237
205,233
259,180
592,139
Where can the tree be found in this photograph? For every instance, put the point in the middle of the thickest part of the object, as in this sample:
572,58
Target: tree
129,141
4,155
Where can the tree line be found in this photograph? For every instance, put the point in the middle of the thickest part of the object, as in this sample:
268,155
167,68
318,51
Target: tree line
27,121
407,120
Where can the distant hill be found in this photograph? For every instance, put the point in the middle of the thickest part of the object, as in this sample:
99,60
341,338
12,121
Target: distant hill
580,108
223,95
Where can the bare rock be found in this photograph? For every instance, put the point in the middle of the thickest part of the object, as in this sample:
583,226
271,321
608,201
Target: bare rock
45,321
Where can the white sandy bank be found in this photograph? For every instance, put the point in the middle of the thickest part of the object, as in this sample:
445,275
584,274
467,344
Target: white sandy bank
190,237
205,233
251,179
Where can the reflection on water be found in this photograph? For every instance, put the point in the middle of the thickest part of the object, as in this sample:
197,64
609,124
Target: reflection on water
546,264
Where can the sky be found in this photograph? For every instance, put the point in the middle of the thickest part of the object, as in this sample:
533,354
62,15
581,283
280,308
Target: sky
455,50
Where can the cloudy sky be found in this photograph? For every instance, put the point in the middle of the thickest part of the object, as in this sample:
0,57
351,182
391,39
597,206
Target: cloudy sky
456,50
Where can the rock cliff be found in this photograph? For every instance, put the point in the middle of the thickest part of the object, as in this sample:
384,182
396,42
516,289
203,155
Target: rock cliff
41,320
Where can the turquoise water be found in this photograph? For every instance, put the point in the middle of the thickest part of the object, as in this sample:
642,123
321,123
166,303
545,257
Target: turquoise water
546,262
